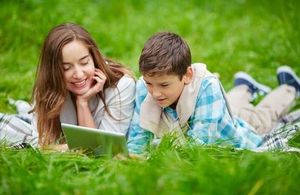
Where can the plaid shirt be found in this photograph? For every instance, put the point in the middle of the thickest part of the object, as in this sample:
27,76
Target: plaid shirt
210,123
16,130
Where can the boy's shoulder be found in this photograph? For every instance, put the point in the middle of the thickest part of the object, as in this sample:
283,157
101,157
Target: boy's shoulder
204,77
141,90
210,80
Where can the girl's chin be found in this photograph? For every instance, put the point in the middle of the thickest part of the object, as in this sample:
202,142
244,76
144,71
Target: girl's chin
79,92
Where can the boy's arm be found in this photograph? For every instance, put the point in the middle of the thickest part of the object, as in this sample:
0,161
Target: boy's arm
138,138
211,122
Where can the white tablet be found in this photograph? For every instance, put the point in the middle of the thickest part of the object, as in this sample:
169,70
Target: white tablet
100,142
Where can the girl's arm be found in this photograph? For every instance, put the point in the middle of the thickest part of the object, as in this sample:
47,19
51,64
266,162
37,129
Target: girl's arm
84,114
120,103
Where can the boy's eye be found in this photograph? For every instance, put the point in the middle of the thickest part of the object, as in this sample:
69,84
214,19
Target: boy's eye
164,85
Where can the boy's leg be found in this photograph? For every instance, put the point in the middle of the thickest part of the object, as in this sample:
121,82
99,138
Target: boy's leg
239,97
246,89
267,113
239,102
274,105
277,103
269,110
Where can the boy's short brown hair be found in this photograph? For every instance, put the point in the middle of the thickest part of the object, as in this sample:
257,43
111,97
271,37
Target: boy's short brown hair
165,53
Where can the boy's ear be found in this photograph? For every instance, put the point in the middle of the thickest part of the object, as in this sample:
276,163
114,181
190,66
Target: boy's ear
187,77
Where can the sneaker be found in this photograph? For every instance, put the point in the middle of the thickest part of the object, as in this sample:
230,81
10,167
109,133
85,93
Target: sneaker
286,75
255,88
22,146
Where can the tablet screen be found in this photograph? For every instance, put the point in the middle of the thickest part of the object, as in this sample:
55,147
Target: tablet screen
99,142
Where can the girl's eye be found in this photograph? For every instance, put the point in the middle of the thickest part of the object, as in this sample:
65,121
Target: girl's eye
66,67
85,62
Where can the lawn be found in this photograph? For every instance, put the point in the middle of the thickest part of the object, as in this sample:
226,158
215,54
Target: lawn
229,36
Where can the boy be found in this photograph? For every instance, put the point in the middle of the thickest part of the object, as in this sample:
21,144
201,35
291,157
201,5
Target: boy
187,100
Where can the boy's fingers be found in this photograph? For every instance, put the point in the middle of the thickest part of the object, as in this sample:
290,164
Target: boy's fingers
137,157
120,157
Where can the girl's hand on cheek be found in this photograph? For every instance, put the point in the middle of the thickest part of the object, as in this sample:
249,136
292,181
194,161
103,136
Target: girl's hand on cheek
99,79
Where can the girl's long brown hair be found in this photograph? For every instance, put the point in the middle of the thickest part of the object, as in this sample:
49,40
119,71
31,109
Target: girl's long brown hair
49,91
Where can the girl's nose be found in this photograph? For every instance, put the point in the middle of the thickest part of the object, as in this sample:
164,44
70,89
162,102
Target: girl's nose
78,72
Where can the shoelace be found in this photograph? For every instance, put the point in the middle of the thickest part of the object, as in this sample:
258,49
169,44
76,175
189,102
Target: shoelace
22,146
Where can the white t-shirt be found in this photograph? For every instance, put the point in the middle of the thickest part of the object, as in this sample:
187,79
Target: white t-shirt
120,103
119,100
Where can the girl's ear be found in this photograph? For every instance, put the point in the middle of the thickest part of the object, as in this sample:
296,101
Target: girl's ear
187,77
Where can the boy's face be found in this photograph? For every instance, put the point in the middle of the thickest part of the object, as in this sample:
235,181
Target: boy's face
167,88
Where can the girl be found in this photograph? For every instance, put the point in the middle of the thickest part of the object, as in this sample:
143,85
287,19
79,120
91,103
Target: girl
75,84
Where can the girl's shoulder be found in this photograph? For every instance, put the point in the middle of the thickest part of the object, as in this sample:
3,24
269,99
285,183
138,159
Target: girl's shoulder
126,81
125,88
126,85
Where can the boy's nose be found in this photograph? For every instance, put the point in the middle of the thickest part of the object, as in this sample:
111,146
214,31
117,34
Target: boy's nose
156,93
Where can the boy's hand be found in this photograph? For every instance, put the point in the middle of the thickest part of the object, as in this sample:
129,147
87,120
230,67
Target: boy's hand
120,157
130,156
137,156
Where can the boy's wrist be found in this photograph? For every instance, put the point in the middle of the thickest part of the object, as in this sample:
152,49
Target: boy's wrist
138,156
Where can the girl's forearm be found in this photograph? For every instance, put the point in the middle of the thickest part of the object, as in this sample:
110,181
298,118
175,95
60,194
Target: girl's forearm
84,115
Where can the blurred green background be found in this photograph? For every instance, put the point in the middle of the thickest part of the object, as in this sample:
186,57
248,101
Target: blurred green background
253,36
256,36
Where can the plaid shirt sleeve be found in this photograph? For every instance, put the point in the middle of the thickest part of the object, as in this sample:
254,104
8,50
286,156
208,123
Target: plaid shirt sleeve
14,130
211,122
138,138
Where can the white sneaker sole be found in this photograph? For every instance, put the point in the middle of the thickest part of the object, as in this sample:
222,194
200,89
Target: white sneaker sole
245,76
288,70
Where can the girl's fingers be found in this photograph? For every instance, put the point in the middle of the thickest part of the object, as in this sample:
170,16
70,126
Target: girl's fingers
101,76
100,79
98,72
99,83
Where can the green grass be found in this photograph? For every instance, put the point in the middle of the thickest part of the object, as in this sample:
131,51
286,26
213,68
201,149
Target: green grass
253,36
182,171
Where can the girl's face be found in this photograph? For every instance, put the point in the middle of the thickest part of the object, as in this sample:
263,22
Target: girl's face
78,66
